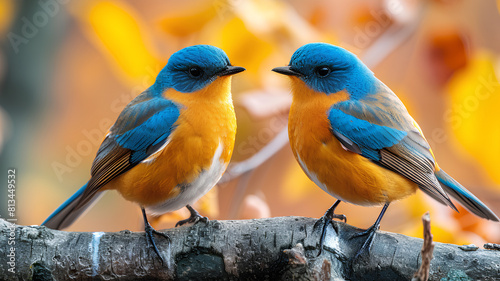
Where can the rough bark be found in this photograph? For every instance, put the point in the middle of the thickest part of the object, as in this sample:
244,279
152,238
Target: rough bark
282,248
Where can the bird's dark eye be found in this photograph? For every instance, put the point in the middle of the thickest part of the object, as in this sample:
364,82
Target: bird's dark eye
195,71
323,71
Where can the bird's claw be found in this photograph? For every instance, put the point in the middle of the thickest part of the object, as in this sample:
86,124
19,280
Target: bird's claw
194,218
149,235
151,241
367,245
363,233
327,219
340,217
371,234
335,216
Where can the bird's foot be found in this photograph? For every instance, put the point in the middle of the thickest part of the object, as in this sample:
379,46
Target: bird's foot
327,219
367,245
370,232
194,218
151,241
149,235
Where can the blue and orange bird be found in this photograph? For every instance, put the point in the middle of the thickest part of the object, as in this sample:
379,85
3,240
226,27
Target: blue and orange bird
170,145
355,139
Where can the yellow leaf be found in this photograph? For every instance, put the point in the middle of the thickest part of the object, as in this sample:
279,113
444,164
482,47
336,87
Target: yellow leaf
474,118
121,32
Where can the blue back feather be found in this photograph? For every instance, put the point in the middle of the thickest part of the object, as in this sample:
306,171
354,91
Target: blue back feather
145,122
369,137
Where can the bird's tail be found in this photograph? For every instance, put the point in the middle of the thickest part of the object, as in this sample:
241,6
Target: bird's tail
464,197
70,210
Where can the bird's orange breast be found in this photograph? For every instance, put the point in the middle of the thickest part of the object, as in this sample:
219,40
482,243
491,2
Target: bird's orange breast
206,122
343,174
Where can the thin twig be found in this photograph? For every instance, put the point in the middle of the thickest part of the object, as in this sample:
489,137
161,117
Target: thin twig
427,249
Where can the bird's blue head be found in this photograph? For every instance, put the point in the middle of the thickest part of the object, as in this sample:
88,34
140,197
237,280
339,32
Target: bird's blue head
329,69
193,68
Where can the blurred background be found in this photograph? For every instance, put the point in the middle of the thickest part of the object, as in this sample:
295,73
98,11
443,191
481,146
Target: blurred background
67,68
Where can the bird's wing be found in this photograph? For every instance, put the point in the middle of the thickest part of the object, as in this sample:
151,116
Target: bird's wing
140,130
379,128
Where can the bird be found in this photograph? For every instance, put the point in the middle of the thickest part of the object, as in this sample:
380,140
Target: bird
170,145
355,139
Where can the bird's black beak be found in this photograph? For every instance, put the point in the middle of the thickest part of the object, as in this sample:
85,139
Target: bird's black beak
230,70
287,70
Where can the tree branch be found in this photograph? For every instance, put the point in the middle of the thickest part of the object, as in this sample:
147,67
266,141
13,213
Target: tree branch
280,248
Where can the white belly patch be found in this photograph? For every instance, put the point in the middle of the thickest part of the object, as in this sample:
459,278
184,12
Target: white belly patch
193,191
